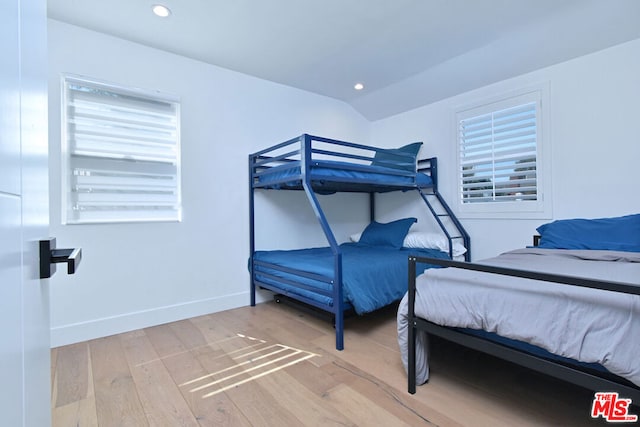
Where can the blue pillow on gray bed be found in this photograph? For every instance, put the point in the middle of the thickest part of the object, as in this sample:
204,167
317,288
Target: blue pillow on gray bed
390,234
613,234
403,158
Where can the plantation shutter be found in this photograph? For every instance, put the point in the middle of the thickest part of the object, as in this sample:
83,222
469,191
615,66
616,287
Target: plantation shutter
122,154
498,155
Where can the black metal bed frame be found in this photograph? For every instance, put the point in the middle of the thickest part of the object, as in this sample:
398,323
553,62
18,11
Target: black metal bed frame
573,374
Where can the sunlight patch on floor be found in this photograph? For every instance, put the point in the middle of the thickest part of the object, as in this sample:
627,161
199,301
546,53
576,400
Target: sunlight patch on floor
257,359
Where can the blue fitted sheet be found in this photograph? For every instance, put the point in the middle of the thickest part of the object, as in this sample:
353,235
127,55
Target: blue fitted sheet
332,171
372,276
531,349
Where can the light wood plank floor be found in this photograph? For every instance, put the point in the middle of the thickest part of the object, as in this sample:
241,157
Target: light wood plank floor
273,365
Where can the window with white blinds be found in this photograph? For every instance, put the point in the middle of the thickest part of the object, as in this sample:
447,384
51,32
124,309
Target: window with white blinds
499,156
121,154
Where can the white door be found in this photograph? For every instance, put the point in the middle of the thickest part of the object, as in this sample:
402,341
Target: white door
24,217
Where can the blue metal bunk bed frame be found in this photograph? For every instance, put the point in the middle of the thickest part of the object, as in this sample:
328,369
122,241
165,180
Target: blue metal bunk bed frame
290,166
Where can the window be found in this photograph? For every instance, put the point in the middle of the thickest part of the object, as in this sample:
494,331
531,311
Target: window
500,158
121,154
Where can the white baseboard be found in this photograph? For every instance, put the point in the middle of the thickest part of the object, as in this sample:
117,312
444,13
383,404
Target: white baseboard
98,328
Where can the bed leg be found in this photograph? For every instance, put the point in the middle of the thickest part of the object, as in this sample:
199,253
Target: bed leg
411,338
411,371
252,293
339,325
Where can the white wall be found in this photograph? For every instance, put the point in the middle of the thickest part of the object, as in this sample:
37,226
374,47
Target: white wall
594,143
136,275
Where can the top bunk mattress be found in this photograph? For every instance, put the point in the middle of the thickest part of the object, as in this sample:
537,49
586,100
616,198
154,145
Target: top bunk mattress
332,176
330,166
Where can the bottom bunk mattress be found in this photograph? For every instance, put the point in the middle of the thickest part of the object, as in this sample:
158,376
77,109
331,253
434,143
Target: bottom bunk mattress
582,324
372,276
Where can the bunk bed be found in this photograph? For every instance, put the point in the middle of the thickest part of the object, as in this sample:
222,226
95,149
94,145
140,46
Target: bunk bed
568,306
353,276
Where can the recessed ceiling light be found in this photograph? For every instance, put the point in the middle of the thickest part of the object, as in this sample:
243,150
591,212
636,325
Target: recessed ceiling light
358,86
161,11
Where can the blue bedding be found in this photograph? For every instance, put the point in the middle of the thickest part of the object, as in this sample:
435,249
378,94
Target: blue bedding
531,349
372,276
332,171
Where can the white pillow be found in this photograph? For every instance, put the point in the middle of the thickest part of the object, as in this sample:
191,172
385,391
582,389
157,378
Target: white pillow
430,240
425,240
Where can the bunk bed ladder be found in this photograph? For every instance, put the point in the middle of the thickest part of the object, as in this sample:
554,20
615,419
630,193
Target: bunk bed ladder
449,224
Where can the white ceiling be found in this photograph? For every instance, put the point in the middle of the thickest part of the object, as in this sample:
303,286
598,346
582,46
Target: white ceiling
407,52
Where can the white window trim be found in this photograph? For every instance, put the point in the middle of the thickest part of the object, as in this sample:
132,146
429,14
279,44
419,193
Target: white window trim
542,208
66,181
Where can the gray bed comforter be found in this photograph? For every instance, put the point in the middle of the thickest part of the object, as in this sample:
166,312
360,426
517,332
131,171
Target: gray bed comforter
589,325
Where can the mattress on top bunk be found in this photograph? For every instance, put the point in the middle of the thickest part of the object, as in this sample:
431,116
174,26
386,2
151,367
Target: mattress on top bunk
583,324
328,172
372,276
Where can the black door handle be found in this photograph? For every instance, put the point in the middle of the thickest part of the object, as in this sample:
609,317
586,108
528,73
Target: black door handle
50,256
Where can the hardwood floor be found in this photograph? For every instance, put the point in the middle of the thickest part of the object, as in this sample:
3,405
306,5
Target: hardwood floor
273,365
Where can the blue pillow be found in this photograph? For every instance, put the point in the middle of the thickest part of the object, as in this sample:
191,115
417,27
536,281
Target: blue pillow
390,234
403,158
612,234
